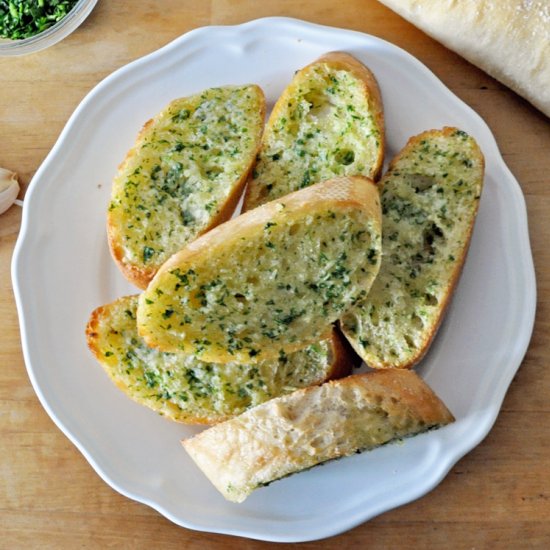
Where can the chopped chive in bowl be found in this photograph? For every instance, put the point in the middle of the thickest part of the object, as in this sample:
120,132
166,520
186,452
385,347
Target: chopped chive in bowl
21,19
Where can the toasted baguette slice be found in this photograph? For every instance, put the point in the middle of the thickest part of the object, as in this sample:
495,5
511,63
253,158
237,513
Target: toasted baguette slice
313,425
184,175
430,199
328,122
272,279
188,390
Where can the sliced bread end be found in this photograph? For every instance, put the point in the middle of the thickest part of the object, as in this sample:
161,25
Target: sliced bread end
310,426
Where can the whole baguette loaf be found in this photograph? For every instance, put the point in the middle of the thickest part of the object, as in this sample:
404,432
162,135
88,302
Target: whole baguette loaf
509,39
430,196
313,425
275,278
328,122
184,175
185,389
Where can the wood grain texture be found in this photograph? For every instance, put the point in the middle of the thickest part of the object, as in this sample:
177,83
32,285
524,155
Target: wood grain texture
498,496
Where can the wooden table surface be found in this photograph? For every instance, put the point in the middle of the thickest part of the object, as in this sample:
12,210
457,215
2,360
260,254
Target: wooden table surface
498,496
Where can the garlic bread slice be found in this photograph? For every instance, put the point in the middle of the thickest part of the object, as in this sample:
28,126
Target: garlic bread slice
313,425
328,122
185,389
184,175
430,197
272,279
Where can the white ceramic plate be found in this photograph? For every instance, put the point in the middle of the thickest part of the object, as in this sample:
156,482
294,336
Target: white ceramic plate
62,270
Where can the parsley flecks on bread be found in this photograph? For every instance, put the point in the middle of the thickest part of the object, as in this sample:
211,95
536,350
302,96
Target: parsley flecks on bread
430,198
185,389
310,426
272,279
183,176
328,122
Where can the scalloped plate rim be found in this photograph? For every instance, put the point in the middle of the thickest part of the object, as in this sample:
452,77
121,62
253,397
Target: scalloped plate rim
298,533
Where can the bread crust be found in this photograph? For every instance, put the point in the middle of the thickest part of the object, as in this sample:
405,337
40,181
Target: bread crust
302,429
141,275
92,330
337,61
347,192
428,334
508,39
345,357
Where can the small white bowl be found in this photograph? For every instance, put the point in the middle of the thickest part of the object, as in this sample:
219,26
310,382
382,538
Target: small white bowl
50,36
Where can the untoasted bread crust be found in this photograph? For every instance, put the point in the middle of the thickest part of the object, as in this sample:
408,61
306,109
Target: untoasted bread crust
508,39
310,426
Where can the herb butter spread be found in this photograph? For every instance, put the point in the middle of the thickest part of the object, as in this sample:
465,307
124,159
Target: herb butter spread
328,122
183,176
429,200
186,389
273,279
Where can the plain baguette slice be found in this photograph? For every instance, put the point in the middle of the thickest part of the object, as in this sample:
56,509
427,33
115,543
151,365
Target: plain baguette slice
184,175
509,39
313,425
273,279
328,122
185,389
430,197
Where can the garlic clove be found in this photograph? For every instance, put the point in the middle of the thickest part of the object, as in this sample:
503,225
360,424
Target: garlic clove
9,189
